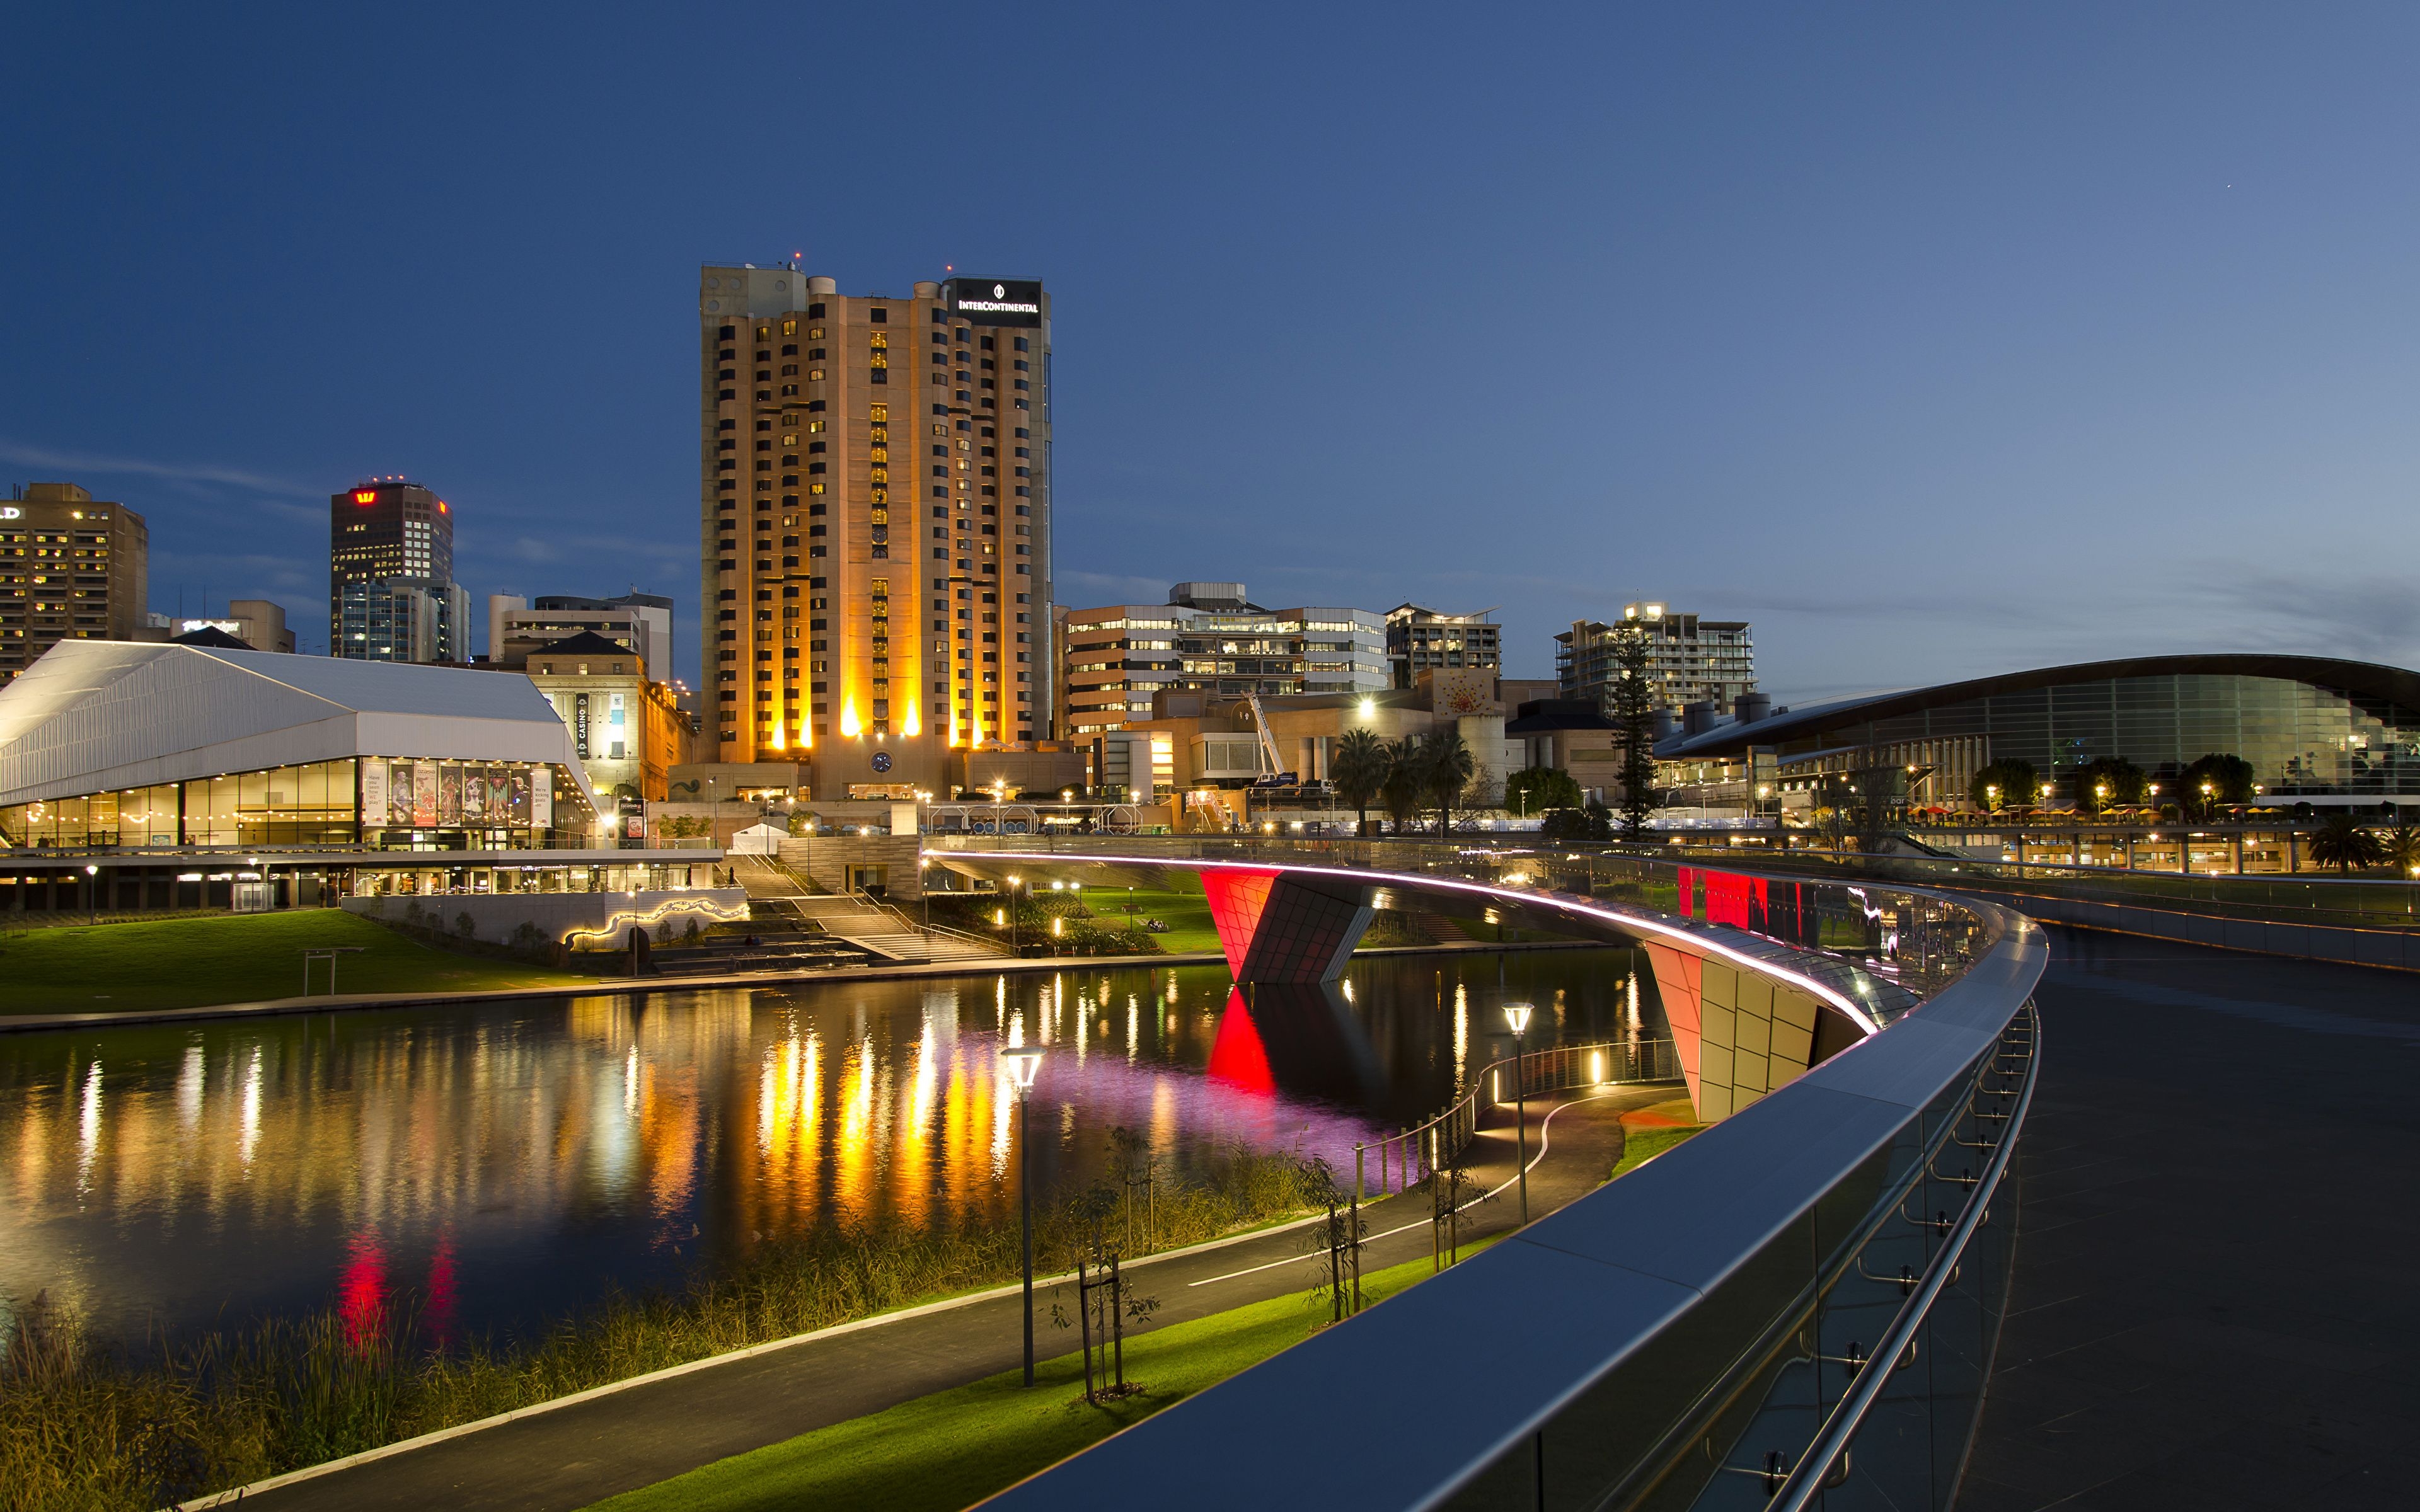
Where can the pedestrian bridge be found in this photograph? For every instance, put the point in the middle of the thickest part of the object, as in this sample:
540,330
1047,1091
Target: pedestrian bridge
1797,1307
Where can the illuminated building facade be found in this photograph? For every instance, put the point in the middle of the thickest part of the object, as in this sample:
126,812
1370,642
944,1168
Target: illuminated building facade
1209,638
1420,639
1689,659
391,590
875,490
71,568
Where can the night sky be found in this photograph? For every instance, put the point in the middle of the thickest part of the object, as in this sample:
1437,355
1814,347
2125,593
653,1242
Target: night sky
1934,340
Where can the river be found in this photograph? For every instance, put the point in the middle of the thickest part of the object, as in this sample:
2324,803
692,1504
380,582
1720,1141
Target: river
509,1164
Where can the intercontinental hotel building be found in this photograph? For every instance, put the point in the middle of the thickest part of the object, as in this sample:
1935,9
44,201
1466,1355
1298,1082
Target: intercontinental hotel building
875,490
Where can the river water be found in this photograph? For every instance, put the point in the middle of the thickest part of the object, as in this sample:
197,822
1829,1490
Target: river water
507,1164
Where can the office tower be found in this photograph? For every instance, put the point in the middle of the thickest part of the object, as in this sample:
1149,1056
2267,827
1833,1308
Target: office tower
1419,640
641,622
1689,659
72,568
391,590
875,489
1209,638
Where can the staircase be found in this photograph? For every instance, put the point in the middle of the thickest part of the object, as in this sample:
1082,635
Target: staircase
890,933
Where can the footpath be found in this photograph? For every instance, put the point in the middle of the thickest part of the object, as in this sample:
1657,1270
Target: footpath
642,986
616,1439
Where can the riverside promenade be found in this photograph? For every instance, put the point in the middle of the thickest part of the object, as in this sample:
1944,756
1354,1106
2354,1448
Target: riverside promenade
567,1457
2212,1302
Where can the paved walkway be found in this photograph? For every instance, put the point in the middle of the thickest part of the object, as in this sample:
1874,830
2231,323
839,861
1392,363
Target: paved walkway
2214,1300
570,1458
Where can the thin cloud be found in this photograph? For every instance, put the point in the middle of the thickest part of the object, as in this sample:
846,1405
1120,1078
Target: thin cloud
69,462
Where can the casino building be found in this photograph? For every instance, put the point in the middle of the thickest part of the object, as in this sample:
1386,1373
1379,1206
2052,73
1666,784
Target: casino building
874,478
158,775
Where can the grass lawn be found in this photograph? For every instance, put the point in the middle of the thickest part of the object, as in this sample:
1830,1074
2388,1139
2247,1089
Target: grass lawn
231,958
1185,912
952,1449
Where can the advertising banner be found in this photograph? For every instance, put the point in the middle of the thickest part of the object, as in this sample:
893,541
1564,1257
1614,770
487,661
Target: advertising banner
579,723
373,792
424,794
475,795
542,798
449,796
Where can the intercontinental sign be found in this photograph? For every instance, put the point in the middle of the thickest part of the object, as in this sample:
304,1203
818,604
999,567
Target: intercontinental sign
997,302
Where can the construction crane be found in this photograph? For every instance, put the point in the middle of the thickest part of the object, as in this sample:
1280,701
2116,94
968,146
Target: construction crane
1276,776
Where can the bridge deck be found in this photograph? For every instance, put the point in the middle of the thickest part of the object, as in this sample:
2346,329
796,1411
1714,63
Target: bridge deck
2213,1300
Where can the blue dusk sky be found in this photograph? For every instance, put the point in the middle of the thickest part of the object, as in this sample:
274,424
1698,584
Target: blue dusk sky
1934,340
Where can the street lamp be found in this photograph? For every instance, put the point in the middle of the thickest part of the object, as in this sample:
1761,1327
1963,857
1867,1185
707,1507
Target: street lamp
922,863
1517,1014
1013,884
92,890
1024,1063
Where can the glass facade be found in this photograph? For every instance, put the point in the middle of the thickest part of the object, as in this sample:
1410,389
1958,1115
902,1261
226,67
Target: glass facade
2302,739
376,802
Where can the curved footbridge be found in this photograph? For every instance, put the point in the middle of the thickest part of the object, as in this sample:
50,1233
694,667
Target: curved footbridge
1751,1008
1796,1308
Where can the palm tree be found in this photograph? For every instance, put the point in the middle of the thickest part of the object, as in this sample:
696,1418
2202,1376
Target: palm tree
2403,845
1358,767
1401,789
2343,843
1446,763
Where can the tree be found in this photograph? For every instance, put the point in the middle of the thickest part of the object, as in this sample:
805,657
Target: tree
1534,790
1401,790
1447,764
2008,781
1633,716
1358,767
2108,781
2343,843
2227,777
2403,845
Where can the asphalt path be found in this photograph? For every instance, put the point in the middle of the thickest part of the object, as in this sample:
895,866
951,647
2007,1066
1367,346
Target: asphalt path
2215,1301
570,1458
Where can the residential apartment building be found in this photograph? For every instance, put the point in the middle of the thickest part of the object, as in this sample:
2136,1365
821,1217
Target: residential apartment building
641,622
1210,638
1419,640
1688,659
391,590
875,492
72,568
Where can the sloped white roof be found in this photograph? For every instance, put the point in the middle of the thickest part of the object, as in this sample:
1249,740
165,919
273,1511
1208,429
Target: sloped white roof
91,715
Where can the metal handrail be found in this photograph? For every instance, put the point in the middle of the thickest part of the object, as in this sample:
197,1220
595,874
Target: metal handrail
1436,1142
1849,1415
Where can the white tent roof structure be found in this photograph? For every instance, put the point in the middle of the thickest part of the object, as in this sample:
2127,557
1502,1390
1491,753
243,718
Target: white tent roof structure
92,716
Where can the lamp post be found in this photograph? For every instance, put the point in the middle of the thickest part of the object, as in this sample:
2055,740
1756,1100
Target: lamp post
1024,1063
925,892
92,890
1517,1014
1013,884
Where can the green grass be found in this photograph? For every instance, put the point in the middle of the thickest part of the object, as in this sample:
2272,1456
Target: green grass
230,958
1185,912
1639,1146
952,1449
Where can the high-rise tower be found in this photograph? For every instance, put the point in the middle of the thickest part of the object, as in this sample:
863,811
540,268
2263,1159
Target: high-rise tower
874,490
391,590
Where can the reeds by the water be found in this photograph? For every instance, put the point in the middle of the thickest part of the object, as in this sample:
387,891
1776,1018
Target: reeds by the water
84,1423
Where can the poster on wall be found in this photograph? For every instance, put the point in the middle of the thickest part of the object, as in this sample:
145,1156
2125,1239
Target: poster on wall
449,796
500,795
401,802
373,792
475,795
520,795
424,794
542,798
579,723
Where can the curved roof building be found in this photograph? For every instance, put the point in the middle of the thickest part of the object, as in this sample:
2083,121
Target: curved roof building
2312,726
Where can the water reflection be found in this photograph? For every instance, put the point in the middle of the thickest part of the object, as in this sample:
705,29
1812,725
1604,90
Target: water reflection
502,1166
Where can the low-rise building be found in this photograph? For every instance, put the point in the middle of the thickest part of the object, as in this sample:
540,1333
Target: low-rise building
641,622
258,622
626,727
